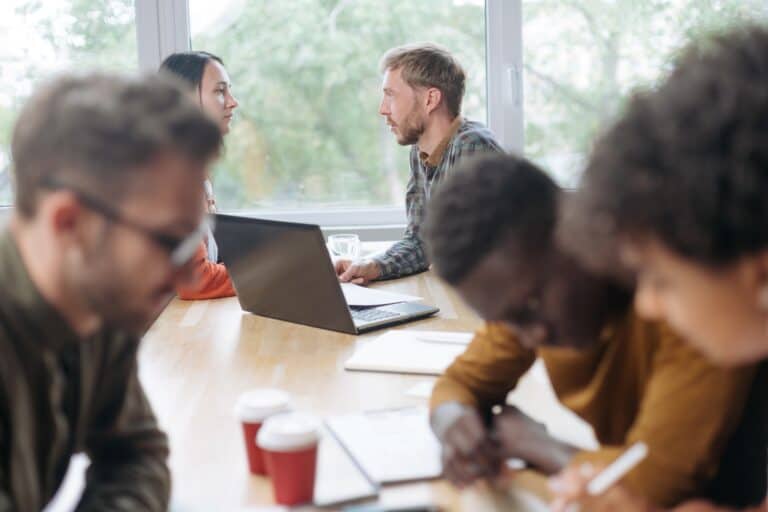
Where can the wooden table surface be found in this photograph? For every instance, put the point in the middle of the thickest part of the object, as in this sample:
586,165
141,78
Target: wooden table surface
199,356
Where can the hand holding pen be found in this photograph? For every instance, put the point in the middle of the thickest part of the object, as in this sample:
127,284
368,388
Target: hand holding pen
585,487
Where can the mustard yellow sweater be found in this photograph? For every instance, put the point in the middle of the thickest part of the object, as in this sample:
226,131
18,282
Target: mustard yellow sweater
703,425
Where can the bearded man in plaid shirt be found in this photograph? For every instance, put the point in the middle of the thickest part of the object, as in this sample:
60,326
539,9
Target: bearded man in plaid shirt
422,93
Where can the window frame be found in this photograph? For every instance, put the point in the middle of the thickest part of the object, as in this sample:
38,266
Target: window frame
162,27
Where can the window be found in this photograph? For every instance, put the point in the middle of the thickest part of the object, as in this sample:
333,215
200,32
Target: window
38,38
308,133
583,57
307,142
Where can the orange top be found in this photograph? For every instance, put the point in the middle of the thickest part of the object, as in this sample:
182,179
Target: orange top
212,280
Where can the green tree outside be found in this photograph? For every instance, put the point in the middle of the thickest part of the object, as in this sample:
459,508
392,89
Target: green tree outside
308,133
59,36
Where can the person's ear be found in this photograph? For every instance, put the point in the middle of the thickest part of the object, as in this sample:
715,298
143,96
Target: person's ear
64,215
433,98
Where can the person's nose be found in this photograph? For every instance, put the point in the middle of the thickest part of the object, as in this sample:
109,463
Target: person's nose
384,107
232,102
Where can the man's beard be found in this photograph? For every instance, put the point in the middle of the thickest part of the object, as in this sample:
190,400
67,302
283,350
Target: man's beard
411,129
106,292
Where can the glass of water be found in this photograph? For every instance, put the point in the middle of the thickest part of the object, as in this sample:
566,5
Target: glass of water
345,246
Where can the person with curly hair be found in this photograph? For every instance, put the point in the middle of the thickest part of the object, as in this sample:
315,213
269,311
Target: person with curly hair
677,191
490,232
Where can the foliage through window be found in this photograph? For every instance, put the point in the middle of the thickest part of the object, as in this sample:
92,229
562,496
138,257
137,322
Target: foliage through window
308,133
41,37
583,57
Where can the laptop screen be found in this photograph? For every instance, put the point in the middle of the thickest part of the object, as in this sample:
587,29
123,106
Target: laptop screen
282,270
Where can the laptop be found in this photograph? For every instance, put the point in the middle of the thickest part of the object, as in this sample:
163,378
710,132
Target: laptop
283,270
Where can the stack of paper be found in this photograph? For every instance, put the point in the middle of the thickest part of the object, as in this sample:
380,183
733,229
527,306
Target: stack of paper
394,445
421,390
420,352
339,479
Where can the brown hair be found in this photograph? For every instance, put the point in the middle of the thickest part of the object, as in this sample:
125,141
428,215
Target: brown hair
96,129
429,65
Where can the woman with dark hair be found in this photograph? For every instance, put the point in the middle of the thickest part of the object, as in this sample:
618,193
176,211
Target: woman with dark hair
211,88
209,80
677,190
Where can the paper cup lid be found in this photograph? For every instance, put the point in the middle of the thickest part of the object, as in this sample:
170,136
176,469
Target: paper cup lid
259,404
288,432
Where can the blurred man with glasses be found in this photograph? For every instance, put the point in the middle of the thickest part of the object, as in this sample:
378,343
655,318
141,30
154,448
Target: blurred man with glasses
108,211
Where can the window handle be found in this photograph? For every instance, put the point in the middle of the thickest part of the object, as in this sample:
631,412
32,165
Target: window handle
514,85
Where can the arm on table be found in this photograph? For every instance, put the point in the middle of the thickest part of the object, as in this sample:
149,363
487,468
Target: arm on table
211,279
476,381
408,255
128,452
688,413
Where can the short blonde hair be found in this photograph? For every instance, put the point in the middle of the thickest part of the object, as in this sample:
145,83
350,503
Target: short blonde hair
429,65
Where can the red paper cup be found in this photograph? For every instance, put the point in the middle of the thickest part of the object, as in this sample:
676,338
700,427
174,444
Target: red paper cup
289,444
253,408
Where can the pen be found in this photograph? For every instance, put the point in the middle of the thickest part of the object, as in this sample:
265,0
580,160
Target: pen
617,469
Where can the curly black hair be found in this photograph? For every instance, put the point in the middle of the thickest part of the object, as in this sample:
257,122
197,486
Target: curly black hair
687,163
485,202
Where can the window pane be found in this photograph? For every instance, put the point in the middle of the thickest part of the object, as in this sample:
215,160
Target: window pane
583,57
308,133
38,38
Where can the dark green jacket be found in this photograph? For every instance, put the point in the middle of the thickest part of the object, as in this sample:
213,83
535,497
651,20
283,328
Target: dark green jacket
61,395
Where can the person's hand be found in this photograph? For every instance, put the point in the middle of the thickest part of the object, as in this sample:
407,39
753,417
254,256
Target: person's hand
468,451
520,436
569,489
357,272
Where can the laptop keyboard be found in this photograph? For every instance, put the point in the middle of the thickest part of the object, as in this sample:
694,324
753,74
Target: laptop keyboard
372,314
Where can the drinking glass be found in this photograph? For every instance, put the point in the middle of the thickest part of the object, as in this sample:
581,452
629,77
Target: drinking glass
345,246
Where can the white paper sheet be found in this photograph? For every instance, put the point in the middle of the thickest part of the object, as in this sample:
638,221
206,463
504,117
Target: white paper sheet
338,479
392,445
363,296
421,390
402,352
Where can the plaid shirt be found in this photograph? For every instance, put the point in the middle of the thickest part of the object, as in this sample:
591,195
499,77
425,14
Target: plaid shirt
466,139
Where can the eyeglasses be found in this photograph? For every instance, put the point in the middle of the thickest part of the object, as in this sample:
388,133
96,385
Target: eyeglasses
180,249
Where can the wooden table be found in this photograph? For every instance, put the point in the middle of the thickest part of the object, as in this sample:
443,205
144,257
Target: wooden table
199,356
